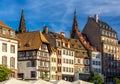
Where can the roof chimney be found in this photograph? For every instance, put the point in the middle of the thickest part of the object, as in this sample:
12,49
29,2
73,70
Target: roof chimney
63,34
45,29
96,17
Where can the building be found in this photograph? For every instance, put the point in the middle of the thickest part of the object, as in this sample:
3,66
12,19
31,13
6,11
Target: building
76,34
8,49
53,64
81,61
33,53
104,38
96,62
65,54
33,56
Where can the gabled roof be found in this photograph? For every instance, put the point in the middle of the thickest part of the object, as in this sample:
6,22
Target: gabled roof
52,36
30,40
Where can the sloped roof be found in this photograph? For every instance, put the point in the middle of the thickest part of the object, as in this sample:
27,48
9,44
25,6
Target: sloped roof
79,48
103,25
30,40
85,43
51,37
4,25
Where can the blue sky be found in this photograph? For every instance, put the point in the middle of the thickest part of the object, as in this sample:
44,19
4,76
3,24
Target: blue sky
58,14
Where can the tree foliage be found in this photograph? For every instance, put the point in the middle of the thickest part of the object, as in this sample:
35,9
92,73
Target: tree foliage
44,75
117,80
96,79
4,73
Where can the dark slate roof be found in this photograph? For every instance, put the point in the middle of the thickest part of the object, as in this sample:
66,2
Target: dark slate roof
104,25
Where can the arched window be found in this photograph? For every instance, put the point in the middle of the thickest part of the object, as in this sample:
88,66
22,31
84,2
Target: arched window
12,62
4,60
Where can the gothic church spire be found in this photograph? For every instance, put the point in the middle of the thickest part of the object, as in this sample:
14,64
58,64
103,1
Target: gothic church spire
22,25
74,26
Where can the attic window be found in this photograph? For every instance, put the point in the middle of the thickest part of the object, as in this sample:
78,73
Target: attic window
27,45
12,33
106,27
3,31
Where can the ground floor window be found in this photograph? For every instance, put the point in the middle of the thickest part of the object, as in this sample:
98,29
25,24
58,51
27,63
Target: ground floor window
33,74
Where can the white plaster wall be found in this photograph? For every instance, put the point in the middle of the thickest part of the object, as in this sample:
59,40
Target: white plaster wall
53,64
67,65
9,42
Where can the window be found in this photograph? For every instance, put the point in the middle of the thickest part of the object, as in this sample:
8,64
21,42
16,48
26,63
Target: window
64,52
87,61
28,64
93,62
12,49
41,53
33,74
63,69
44,47
12,62
98,56
27,53
58,43
3,31
21,54
59,69
59,52
78,60
4,47
12,33
4,60
33,63
59,61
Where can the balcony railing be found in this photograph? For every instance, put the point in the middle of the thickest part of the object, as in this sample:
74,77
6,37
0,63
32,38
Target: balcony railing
34,57
43,68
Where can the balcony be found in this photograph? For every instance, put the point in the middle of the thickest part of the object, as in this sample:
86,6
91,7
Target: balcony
34,58
40,68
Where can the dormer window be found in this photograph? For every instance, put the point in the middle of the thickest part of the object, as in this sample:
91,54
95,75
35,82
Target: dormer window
12,33
106,27
44,47
3,31
58,42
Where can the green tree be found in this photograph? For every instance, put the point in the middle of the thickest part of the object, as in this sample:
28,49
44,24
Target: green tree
96,79
4,73
117,80
44,75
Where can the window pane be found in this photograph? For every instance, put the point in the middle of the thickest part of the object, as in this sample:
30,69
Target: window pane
4,60
4,47
3,31
12,62
12,49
